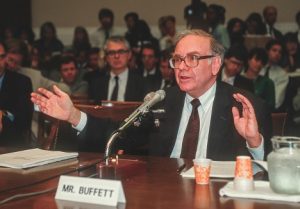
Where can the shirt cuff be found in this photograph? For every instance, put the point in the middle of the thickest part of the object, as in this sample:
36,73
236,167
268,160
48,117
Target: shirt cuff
258,152
82,122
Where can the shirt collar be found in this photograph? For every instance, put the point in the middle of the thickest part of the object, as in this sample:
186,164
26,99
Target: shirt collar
151,72
225,76
122,76
204,99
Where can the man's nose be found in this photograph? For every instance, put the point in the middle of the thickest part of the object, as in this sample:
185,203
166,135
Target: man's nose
116,55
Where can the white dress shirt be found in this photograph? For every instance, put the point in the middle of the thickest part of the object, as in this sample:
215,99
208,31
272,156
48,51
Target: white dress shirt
205,111
280,78
123,78
150,72
227,79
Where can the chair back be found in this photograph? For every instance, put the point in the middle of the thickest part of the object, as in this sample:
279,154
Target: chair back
47,131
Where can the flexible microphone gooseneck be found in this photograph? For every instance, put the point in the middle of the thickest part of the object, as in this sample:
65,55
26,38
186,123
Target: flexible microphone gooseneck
150,99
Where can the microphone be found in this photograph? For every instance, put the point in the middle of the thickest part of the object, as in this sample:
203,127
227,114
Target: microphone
150,99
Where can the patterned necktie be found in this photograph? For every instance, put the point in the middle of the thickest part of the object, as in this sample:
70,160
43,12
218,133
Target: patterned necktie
114,95
191,135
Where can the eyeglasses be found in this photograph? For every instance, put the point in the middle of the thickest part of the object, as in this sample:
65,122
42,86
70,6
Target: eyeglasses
113,53
190,60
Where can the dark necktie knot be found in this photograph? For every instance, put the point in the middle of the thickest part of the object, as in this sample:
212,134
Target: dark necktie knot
195,103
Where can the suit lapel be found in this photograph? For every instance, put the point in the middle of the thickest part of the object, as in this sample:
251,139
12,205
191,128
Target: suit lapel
173,116
220,120
105,86
129,87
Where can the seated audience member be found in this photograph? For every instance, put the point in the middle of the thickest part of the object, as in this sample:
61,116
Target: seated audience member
167,73
236,28
227,122
264,86
234,62
8,34
194,15
15,106
291,59
142,36
81,46
215,16
168,25
93,65
255,25
106,29
70,76
81,41
270,17
26,35
48,44
118,83
276,73
131,19
15,62
150,70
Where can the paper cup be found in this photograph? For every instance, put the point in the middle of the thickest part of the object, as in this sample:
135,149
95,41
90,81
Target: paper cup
243,180
202,170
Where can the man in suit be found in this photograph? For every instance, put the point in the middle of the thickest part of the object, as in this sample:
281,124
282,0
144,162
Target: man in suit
150,69
106,29
234,61
120,83
15,106
270,16
221,121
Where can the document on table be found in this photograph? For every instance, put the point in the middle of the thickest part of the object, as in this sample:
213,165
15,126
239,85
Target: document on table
33,157
219,169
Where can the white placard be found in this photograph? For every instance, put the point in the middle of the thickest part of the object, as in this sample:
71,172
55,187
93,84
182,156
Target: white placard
89,190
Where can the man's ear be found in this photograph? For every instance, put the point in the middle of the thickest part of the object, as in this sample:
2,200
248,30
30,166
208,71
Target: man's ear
216,65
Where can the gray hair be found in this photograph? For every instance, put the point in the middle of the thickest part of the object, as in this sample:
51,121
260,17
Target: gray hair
117,39
216,48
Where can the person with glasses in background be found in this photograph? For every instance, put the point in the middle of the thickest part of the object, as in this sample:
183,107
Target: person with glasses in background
119,83
203,117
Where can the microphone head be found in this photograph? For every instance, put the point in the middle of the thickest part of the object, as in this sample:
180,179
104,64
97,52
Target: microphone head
161,93
149,96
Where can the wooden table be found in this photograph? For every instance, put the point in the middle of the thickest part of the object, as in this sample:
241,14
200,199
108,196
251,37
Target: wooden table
158,185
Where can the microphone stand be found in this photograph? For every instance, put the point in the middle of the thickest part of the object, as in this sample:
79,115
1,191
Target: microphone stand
116,134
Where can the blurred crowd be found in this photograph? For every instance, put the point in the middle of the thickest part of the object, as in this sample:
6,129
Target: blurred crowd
269,68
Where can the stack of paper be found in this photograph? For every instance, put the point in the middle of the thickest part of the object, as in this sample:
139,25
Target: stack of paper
33,157
219,169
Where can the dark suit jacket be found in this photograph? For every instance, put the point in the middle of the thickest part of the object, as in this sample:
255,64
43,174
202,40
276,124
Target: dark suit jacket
135,90
241,82
224,143
15,98
278,35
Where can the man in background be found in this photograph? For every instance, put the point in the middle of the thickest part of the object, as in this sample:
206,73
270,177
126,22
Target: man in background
106,29
119,83
270,17
234,62
15,106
